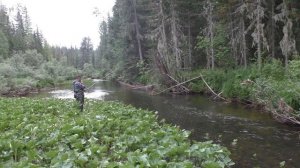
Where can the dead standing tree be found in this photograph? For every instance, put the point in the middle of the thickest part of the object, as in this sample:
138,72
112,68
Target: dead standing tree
137,30
238,33
258,35
164,59
288,43
175,32
209,34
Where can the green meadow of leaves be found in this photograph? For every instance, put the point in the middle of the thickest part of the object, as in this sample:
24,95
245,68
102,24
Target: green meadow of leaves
53,133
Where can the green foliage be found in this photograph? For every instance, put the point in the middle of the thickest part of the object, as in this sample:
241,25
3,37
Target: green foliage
7,70
282,164
223,57
221,49
32,58
86,52
4,85
233,89
203,42
294,70
28,70
214,78
52,133
88,70
17,61
45,82
273,70
4,46
145,74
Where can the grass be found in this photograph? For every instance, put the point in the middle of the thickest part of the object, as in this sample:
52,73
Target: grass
52,133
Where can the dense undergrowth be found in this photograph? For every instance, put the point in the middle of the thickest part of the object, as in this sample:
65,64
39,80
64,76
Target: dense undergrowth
25,71
29,70
52,133
276,89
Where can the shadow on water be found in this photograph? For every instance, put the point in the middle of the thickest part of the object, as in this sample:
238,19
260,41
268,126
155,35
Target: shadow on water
254,139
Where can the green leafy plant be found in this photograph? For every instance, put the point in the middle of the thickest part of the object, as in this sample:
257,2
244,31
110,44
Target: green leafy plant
51,133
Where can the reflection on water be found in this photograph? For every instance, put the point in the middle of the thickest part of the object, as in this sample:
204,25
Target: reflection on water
68,94
96,94
93,93
260,141
62,94
98,80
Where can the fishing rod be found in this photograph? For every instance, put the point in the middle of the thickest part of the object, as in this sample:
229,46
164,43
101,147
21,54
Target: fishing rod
90,86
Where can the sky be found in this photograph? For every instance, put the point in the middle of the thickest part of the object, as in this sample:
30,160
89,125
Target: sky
66,22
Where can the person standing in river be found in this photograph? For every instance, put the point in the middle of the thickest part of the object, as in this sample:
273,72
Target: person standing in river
78,88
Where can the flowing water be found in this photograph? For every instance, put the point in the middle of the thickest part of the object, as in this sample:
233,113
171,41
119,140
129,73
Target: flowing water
254,138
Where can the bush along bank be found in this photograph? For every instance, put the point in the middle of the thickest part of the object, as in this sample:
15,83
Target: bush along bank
274,88
52,133
27,71
24,72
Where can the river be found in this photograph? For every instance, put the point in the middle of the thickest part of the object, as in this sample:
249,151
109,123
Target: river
253,137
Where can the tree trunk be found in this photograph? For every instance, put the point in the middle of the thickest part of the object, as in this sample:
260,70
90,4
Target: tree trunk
208,58
288,43
233,41
138,35
163,35
174,31
189,41
244,45
258,27
211,32
272,29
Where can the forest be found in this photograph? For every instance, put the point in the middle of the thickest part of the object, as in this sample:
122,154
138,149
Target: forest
245,50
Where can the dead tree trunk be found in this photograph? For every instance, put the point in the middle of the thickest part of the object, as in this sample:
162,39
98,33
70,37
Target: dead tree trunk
272,39
244,45
242,32
211,32
288,43
163,35
174,32
258,28
233,41
137,30
189,41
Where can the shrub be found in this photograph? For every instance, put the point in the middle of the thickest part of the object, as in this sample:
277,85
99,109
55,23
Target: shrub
3,84
32,58
4,46
274,70
88,70
7,71
47,82
50,69
294,70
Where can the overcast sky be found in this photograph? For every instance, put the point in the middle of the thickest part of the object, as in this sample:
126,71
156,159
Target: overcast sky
66,22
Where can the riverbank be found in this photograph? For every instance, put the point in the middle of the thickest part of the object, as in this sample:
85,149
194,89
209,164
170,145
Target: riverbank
20,87
53,132
273,89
